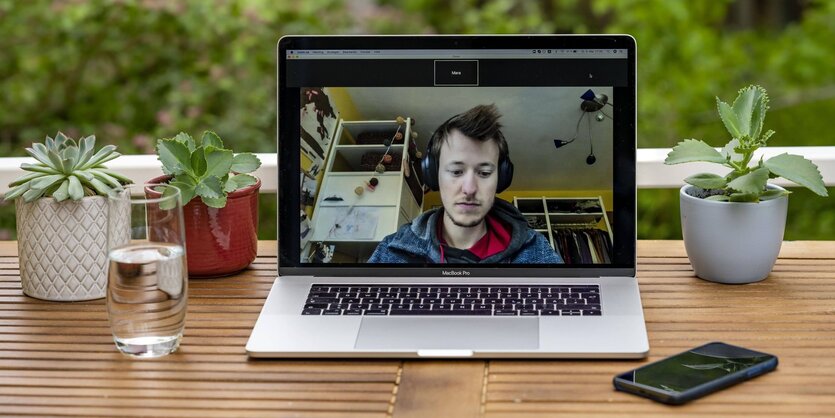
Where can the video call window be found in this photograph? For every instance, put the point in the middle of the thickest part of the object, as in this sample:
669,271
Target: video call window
515,174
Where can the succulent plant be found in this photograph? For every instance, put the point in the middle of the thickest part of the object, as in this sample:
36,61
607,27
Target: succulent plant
744,122
67,169
207,169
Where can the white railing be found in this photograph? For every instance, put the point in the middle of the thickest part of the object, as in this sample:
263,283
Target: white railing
652,172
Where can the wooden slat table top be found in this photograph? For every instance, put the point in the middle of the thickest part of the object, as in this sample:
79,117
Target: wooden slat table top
58,359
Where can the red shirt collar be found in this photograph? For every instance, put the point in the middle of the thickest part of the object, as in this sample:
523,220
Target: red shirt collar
493,242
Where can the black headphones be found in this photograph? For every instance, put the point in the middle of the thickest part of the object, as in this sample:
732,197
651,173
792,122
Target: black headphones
430,168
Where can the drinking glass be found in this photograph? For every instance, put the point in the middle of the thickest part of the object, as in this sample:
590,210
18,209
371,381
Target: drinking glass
147,284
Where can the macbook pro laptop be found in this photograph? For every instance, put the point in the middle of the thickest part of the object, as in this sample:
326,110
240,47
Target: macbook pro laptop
455,196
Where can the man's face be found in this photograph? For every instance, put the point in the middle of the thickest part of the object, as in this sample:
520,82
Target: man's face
467,178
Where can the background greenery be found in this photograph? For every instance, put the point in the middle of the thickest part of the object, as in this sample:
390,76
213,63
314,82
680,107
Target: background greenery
131,71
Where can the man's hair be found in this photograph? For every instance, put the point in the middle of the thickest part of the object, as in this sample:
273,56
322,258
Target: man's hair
480,122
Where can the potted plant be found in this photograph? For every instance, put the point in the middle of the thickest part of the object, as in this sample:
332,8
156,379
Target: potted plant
733,225
61,210
220,202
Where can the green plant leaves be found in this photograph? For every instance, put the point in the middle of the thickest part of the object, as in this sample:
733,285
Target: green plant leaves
218,160
198,162
211,138
691,150
719,198
209,187
63,191
186,184
174,156
773,194
75,189
745,104
729,119
799,170
205,169
245,162
751,183
239,181
729,151
707,181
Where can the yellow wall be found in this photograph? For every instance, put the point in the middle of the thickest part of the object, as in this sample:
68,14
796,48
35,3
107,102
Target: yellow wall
341,100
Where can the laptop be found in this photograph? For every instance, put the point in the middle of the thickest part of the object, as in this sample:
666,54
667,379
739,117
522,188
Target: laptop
455,197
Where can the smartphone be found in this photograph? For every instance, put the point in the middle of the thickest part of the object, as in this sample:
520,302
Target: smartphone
695,373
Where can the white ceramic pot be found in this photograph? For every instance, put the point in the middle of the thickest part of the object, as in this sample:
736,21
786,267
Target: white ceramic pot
732,242
63,248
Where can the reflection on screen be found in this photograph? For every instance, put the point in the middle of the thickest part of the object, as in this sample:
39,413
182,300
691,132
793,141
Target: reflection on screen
460,156
688,370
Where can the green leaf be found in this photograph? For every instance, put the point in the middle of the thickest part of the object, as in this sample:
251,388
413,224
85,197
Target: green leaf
209,187
16,192
26,178
39,154
56,161
39,168
218,203
211,138
122,179
174,156
744,197
748,99
751,183
729,151
691,150
239,182
799,170
218,161
198,162
774,193
186,184
718,198
75,189
109,180
245,162
46,181
70,157
726,113
706,181
99,187
167,203
32,194
62,193
186,140
105,154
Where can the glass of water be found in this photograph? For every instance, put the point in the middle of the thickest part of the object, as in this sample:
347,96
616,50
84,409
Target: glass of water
147,285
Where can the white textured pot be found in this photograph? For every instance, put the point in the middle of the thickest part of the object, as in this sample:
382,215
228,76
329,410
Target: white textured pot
63,248
732,242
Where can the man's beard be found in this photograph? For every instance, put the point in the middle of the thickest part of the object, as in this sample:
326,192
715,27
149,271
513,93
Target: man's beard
464,225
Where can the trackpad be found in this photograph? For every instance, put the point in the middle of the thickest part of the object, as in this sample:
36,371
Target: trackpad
412,333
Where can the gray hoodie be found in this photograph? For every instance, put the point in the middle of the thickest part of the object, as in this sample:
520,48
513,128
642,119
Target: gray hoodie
417,242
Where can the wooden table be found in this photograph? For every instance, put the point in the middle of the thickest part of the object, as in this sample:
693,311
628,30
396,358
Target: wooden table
59,358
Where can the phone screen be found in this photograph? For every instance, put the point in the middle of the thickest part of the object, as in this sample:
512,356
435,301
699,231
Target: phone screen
695,367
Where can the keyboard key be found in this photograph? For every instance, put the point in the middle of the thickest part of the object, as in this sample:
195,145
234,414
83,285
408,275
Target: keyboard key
570,312
313,311
590,312
550,312
505,312
376,312
332,312
352,312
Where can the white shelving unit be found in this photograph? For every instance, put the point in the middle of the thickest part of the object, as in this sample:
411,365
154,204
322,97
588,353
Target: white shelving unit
349,165
558,212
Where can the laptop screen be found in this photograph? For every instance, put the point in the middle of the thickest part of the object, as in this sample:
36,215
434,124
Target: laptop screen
448,151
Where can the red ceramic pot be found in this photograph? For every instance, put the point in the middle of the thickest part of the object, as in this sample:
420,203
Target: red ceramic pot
224,241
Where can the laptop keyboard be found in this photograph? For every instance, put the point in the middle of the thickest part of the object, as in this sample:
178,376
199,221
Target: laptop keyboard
470,300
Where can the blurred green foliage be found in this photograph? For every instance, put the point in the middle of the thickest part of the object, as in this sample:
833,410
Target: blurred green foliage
131,71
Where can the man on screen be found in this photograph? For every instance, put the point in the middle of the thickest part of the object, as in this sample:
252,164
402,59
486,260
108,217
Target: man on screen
467,160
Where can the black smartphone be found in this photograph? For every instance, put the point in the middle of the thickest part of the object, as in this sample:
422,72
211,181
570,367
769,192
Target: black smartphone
695,373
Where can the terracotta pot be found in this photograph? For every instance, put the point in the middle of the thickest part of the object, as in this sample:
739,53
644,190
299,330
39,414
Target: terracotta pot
224,241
